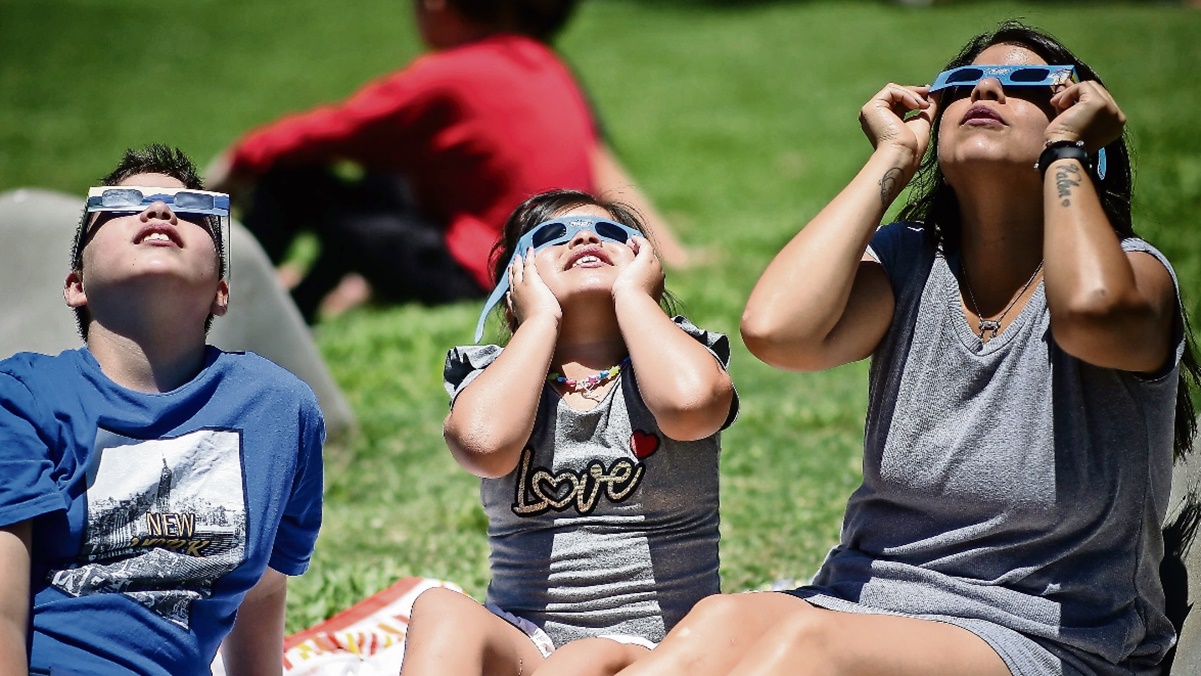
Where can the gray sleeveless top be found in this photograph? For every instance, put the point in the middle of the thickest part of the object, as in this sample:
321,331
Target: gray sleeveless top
606,526
1006,483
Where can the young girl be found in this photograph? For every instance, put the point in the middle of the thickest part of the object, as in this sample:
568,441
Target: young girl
1027,355
595,434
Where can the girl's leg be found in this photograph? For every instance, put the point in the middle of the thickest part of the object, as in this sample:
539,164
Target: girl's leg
449,633
591,657
817,641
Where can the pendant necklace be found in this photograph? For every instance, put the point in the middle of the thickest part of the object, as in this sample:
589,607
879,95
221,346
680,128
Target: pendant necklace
993,326
585,386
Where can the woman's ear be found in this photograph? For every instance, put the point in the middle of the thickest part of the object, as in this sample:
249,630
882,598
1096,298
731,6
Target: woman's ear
73,290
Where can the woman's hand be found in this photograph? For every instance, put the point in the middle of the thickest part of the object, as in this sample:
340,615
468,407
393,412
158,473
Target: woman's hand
528,295
644,274
886,120
1086,112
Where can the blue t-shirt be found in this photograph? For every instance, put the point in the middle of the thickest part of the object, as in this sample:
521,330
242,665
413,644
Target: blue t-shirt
154,514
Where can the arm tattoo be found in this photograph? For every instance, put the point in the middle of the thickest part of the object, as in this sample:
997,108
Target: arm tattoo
890,185
1066,178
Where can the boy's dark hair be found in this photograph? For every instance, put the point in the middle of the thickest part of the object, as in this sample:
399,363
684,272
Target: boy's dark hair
547,206
538,19
154,158
932,200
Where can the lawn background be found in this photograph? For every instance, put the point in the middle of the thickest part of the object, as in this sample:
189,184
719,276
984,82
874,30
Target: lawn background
739,118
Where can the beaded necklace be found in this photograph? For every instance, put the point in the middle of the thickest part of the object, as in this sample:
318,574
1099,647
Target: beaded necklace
586,385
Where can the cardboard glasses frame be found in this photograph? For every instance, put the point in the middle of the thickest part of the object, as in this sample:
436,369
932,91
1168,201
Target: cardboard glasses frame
550,233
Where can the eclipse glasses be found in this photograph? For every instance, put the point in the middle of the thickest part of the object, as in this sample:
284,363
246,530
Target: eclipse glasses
550,233
1009,76
185,202
1014,76
135,199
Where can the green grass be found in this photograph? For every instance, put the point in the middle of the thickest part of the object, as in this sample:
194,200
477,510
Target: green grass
740,120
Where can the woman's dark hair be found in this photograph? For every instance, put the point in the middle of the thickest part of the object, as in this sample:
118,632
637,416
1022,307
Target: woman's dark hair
932,201
538,19
549,205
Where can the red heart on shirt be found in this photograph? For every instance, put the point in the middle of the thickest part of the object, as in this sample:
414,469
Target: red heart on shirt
643,444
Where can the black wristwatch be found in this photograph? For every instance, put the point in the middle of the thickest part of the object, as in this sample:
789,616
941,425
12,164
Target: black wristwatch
1063,150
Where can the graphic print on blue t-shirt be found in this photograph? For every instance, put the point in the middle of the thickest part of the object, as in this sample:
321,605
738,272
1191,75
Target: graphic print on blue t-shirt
166,518
539,490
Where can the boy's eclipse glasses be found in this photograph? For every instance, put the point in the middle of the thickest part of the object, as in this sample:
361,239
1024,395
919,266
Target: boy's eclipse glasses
185,202
1009,76
133,199
550,233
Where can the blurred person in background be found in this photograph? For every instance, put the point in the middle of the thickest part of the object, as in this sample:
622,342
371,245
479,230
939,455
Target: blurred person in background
441,152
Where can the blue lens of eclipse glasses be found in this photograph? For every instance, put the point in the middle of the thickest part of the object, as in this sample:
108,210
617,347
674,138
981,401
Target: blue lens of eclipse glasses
1009,76
550,233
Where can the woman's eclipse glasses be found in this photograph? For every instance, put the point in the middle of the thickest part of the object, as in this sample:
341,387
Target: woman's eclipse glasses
1012,76
550,233
1008,76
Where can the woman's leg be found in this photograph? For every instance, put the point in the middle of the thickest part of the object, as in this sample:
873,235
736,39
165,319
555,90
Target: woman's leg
590,657
715,635
775,633
817,641
449,633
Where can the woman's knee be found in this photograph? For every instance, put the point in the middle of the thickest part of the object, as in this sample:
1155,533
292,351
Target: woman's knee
812,632
717,610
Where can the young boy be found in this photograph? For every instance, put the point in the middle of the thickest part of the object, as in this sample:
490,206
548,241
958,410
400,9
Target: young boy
155,490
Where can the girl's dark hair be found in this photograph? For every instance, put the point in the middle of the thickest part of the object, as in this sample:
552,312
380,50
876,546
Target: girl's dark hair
932,201
538,19
549,205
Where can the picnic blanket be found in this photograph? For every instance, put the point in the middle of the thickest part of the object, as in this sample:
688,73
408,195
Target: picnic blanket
366,639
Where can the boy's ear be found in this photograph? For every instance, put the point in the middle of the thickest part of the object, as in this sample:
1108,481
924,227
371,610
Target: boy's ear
73,290
221,300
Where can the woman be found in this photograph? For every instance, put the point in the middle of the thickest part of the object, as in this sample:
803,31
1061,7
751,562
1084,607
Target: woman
1027,357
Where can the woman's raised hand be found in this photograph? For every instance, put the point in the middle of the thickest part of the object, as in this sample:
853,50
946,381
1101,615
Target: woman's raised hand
528,295
886,120
1086,112
644,274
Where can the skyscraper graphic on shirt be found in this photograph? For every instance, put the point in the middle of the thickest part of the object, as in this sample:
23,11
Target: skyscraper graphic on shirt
166,518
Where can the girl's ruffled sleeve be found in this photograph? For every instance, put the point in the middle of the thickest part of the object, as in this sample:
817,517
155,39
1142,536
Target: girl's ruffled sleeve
464,363
718,344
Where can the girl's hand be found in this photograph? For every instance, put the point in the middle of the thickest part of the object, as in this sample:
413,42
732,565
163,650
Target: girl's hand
528,295
883,120
644,274
1086,112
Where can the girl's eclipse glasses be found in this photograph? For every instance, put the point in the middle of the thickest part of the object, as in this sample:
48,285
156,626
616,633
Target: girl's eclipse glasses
550,233
185,202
